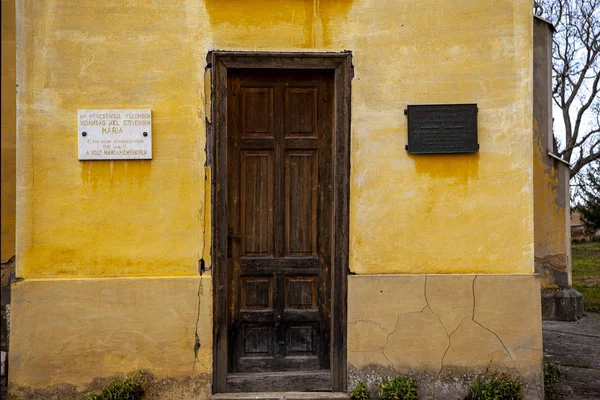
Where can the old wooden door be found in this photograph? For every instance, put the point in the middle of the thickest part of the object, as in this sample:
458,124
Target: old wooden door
280,197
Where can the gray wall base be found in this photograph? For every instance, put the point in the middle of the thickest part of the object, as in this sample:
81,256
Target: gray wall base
562,305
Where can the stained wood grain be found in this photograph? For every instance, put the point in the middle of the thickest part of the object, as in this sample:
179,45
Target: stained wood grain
281,152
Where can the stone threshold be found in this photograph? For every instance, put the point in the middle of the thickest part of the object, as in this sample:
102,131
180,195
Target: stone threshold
281,396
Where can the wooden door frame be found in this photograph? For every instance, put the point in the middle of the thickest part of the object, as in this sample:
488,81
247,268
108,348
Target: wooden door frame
220,62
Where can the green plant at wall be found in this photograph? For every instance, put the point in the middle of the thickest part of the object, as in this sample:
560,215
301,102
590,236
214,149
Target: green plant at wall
496,388
360,392
131,388
551,374
398,388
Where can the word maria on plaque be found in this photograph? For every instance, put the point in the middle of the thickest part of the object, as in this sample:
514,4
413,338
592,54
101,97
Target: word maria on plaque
115,134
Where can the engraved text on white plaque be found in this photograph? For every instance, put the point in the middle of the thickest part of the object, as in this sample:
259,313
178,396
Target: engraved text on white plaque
115,134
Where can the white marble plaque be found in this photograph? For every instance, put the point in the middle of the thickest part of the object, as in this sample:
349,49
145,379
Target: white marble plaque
115,134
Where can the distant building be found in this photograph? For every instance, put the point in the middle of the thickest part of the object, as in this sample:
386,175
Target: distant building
578,232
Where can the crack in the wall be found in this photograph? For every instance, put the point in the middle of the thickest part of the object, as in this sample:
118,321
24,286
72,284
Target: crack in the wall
500,340
372,322
487,369
450,343
197,343
489,330
387,340
473,293
441,323
448,333
388,334
201,271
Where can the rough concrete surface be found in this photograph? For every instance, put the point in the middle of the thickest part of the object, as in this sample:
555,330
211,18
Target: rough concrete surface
72,331
476,325
562,305
575,346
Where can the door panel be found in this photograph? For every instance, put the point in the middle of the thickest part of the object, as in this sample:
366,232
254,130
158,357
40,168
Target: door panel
257,112
256,203
301,184
280,180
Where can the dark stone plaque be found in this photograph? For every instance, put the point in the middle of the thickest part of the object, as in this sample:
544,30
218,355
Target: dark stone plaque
442,128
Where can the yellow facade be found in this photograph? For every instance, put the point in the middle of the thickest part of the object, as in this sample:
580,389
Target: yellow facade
118,219
552,233
8,130
94,234
445,328
107,327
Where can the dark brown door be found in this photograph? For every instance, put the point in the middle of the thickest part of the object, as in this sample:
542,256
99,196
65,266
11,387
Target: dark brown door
280,197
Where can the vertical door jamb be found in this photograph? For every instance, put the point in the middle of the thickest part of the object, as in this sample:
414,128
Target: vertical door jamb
341,64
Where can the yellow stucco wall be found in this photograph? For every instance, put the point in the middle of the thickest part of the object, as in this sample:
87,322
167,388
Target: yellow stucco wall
8,130
409,214
445,328
552,224
551,204
110,218
147,223
552,233
420,214
106,327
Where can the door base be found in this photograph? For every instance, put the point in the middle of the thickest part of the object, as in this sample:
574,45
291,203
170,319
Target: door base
282,396
288,381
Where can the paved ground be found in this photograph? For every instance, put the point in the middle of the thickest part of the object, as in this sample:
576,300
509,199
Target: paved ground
575,346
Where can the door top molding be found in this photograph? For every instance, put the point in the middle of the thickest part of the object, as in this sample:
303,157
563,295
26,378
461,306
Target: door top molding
283,60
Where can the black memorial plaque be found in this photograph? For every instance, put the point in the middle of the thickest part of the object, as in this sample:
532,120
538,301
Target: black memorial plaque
442,128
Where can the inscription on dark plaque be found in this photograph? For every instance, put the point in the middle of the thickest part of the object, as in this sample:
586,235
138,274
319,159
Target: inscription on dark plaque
442,128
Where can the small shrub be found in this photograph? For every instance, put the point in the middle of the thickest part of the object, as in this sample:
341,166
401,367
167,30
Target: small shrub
398,388
360,392
551,374
131,388
497,388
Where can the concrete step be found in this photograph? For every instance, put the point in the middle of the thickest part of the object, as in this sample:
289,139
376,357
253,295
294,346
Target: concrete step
281,396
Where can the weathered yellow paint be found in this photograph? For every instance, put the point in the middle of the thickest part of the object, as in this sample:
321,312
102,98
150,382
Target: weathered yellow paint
147,223
110,218
206,253
8,130
73,331
551,217
442,214
549,205
552,234
445,326
409,214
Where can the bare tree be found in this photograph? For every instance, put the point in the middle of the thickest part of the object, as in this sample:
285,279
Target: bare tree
576,65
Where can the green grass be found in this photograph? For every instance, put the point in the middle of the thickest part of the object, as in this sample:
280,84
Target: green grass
130,388
496,388
586,273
